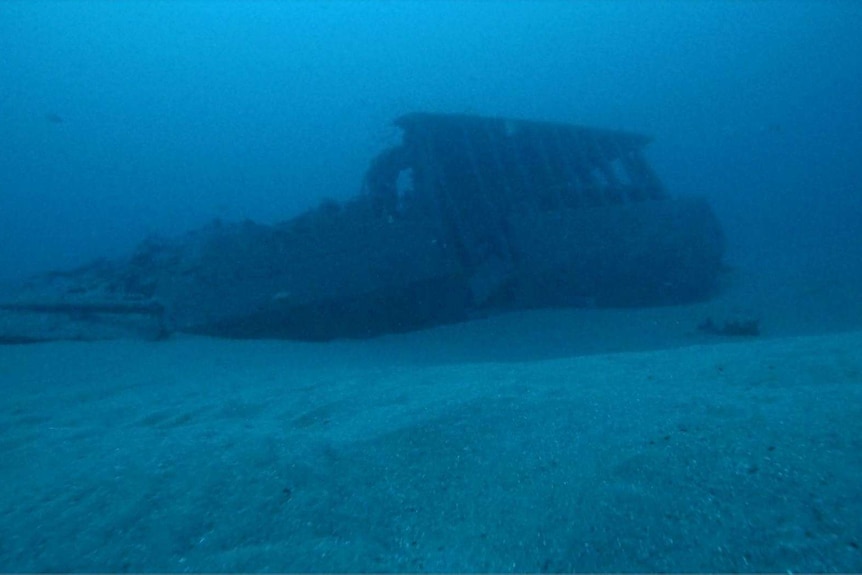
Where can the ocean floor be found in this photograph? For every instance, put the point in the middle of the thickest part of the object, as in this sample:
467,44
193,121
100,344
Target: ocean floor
588,440
205,455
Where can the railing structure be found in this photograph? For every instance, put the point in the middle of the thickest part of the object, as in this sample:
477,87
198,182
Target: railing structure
477,172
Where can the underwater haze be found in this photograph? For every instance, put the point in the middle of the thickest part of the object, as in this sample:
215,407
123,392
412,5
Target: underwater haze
126,119
719,434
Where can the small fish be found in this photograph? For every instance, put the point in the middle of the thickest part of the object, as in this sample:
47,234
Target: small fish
54,118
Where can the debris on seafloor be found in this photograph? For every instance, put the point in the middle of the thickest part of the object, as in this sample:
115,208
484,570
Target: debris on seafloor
731,327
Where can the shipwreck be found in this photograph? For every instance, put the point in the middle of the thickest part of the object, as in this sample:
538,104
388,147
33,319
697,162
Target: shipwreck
467,216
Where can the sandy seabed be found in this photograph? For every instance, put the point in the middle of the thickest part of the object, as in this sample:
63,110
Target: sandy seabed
204,455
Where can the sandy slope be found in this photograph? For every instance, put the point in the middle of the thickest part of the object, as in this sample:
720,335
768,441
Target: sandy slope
197,454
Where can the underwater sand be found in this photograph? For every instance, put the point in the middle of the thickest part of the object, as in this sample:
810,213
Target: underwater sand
204,455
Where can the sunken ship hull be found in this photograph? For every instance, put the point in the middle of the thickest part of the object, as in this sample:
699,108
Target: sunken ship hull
467,216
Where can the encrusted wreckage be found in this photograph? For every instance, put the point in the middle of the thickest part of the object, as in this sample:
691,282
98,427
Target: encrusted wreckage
467,216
